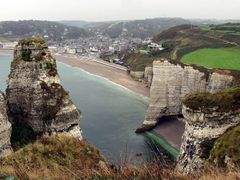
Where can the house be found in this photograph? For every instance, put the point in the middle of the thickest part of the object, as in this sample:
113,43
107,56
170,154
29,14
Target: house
155,46
71,50
147,41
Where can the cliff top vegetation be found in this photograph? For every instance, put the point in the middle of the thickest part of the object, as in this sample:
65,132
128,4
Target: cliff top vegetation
31,41
223,101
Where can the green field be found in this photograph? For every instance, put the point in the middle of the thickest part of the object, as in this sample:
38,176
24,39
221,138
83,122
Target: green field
224,58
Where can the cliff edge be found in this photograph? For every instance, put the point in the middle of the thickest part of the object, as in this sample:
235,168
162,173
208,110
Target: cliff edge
35,96
208,117
171,82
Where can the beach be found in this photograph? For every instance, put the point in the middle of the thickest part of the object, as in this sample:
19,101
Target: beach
107,70
113,74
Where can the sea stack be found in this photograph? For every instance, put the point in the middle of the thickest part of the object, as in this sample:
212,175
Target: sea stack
34,94
207,118
5,128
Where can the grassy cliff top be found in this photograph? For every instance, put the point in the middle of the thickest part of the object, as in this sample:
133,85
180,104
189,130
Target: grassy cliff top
224,101
224,58
31,41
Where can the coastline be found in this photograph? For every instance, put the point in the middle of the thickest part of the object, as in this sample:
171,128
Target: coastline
114,74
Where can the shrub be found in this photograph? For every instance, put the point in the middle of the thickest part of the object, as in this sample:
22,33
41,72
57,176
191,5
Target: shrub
26,55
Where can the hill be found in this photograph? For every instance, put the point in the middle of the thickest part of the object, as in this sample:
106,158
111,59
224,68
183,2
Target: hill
181,40
76,23
136,28
187,38
52,30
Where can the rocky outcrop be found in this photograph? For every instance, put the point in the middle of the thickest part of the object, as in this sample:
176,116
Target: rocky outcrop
5,128
34,93
148,75
143,76
171,83
201,131
138,75
207,117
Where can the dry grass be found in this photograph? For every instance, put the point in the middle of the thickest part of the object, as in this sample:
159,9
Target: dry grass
62,157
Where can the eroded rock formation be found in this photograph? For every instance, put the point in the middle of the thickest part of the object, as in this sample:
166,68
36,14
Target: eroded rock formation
171,83
5,128
207,119
35,95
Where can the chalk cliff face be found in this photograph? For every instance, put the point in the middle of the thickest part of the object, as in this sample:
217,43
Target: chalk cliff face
171,83
5,128
201,131
34,94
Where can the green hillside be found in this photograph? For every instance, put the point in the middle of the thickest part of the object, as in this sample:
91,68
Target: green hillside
184,39
224,58
187,38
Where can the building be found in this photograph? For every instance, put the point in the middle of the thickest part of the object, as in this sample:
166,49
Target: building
155,46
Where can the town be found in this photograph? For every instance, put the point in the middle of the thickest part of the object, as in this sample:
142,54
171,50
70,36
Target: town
97,46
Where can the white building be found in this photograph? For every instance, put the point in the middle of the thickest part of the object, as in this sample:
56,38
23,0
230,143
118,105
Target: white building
147,41
155,46
71,50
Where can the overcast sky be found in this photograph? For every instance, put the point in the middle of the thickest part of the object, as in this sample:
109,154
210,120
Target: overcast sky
102,10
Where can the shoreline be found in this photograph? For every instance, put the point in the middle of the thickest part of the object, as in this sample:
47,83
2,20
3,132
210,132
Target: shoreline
146,99
111,72
114,75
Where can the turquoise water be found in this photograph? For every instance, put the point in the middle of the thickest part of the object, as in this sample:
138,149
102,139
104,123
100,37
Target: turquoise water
110,112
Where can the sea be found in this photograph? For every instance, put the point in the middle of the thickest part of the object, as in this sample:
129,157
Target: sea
110,113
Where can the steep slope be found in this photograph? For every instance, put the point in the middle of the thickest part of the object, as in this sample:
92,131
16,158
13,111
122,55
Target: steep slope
172,82
34,94
55,157
207,117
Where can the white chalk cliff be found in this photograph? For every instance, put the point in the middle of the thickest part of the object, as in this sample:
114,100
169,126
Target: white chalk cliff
171,83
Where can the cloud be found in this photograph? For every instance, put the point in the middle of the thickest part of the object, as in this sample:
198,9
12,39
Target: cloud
98,10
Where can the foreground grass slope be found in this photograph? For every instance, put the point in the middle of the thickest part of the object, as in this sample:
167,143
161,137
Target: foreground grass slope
62,157
224,58
57,157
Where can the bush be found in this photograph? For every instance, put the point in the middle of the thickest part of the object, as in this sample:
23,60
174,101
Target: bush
26,55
